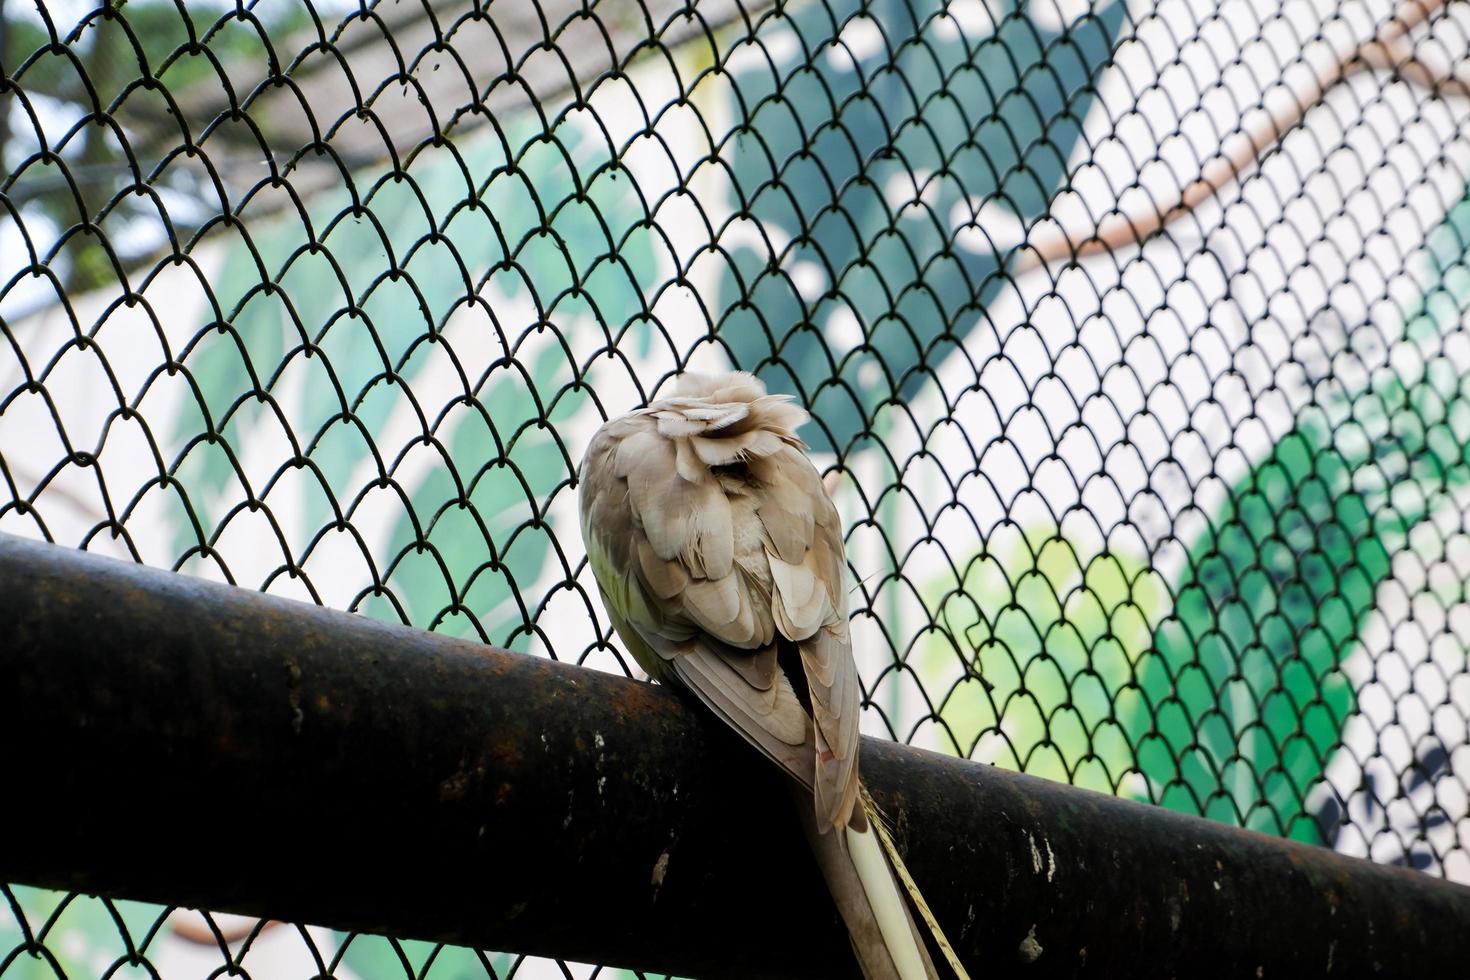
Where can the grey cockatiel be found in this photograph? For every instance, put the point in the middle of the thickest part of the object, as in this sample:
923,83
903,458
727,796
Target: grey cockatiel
719,557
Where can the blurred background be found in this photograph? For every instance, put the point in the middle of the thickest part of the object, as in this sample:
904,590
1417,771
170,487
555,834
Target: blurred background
1135,335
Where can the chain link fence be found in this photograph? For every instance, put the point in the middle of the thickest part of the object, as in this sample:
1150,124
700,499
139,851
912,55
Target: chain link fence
1135,337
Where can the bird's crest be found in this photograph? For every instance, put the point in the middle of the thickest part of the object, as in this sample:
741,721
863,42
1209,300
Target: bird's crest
722,419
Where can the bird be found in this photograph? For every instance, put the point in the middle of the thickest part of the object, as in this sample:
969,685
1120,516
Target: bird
719,558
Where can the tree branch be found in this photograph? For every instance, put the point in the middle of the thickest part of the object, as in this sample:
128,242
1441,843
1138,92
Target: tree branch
1390,49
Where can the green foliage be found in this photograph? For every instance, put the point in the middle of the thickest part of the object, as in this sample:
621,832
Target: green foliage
1243,698
357,297
466,550
1233,705
378,958
46,935
1046,640
148,38
104,77
950,122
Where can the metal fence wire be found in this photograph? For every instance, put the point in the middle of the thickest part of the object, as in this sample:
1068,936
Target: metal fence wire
1135,336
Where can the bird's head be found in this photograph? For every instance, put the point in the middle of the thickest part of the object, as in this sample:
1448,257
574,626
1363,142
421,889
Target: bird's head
724,419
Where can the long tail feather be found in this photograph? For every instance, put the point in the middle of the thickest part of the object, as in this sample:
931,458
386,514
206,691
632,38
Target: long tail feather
879,824
885,938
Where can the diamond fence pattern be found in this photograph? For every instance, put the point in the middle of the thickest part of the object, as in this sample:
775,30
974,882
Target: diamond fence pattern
1135,336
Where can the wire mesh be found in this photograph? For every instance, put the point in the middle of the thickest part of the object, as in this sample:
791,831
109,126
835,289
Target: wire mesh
1134,334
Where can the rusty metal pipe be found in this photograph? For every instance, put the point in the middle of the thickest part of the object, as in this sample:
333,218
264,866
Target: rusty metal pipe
171,740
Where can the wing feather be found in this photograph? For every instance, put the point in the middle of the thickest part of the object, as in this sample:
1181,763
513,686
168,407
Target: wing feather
811,605
776,712
703,567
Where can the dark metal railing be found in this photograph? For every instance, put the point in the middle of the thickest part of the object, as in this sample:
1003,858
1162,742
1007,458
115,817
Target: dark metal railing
201,745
